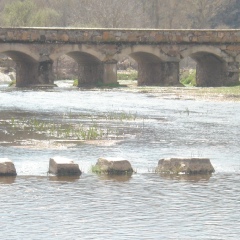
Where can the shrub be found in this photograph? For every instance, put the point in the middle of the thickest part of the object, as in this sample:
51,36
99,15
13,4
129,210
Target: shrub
188,78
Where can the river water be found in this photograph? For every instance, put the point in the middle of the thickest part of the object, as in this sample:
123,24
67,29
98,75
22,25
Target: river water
146,205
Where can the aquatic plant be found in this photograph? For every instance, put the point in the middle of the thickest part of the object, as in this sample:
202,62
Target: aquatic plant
75,82
108,85
188,78
12,83
98,170
127,75
120,115
91,131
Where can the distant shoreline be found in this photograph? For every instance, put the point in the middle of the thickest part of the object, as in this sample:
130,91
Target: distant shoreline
231,94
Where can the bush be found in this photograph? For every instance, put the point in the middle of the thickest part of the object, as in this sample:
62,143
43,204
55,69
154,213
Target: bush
188,77
127,75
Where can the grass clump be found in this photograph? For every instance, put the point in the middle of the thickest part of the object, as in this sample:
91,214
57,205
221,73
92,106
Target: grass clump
12,83
127,75
60,130
188,77
75,82
96,169
121,115
98,85
108,171
107,85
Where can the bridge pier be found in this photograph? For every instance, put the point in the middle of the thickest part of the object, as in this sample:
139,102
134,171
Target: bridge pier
26,73
110,72
89,74
45,73
210,71
232,73
158,74
171,73
34,73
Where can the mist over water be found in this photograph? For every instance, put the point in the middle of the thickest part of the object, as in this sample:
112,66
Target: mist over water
145,206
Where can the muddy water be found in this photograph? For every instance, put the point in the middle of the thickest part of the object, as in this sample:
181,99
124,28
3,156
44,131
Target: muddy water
146,206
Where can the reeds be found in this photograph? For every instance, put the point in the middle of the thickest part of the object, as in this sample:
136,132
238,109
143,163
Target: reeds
67,128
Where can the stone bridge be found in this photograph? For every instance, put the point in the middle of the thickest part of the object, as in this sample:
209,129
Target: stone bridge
97,51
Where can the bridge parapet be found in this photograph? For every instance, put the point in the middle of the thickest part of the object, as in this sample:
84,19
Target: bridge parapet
95,35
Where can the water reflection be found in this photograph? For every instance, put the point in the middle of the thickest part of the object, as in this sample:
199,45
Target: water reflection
115,178
7,180
187,177
63,178
103,206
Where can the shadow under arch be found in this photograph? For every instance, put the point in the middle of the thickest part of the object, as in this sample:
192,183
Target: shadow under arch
211,65
26,67
90,67
154,67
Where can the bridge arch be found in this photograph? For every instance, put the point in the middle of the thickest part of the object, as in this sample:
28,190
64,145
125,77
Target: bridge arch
211,65
149,53
77,52
206,49
26,61
89,61
18,52
154,67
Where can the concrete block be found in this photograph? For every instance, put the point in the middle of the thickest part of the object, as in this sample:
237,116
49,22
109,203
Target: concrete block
113,166
7,168
63,167
185,165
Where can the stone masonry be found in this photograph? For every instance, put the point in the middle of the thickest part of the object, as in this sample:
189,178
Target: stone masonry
97,51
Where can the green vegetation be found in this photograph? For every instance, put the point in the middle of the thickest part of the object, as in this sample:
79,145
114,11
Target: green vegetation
64,129
100,85
61,130
75,82
26,14
13,83
188,78
233,91
107,85
121,115
123,75
158,14
127,75
98,170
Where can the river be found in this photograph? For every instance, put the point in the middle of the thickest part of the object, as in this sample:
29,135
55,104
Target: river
136,126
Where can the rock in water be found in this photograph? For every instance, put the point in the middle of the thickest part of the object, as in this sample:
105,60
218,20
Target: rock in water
113,166
7,168
185,165
63,167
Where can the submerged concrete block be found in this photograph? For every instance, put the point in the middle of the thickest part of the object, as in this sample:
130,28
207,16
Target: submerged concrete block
185,165
7,168
63,167
113,166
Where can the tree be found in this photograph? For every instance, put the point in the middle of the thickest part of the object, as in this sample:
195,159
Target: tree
26,14
45,17
18,13
228,16
204,12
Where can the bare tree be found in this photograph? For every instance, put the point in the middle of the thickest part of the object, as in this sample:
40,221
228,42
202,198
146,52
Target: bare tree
165,14
204,11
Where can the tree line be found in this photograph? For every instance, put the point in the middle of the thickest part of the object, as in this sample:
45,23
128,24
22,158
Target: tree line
162,14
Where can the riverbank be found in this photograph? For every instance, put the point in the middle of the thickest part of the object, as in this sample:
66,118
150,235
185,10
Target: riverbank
186,93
